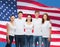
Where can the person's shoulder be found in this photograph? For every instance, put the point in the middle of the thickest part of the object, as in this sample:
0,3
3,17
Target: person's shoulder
48,21
8,23
16,18
33,19
24,18
25,23
40,18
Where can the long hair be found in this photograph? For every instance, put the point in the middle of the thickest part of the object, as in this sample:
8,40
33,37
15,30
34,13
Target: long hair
43,18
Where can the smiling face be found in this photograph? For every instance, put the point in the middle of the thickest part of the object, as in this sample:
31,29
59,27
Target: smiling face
37,13
20,15
29,17
45,17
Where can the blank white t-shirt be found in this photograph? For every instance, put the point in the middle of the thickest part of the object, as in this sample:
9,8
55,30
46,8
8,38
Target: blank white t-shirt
28,28
37,27
19,23
11,30
46,29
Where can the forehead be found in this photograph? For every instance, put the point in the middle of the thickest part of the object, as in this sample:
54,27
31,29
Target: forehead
37,13
45,15
20,13
29,16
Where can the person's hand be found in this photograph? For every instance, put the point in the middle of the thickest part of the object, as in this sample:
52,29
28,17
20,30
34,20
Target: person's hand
49,39
8,40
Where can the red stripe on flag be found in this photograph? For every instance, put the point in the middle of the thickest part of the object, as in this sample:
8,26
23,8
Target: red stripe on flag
4,40
3,26
55,18
51,17
3,33
31,8
54,46
55,25
55,39
55,32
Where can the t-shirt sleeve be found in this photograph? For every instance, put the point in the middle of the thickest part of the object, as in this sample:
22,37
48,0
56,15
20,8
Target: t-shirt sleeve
49,23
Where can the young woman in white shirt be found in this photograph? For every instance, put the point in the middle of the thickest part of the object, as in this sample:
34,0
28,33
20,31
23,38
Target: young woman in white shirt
10,31
28,31
46,30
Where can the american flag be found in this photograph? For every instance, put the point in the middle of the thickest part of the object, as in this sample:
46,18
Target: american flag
8,7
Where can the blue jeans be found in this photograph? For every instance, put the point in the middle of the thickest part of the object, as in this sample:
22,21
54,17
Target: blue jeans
46,42
19,39
28,41
37,39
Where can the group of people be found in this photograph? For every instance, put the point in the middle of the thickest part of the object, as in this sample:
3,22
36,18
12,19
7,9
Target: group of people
28,31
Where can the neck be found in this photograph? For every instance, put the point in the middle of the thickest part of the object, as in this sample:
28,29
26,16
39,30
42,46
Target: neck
20,18
45,20
11,21
36,17
28,21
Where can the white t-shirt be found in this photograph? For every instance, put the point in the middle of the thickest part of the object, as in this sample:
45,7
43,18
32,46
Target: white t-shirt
11,30
37,27
19,26
46,29
28,28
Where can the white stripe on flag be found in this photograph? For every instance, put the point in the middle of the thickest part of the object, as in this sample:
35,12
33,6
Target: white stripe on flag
55,43
55,35
2,29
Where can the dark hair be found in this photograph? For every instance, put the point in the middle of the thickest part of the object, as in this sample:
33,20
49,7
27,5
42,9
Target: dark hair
31,17
11,16
36,11
20,12
43,18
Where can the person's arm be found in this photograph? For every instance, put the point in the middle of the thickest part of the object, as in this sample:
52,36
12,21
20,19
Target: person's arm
7,31
33,30
8,40
50,29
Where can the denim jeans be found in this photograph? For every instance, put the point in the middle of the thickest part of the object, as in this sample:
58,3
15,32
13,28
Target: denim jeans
19,39
28,41
46,43
37,39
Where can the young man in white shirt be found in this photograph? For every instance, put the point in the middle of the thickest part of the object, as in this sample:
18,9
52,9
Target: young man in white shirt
19,34
37,35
